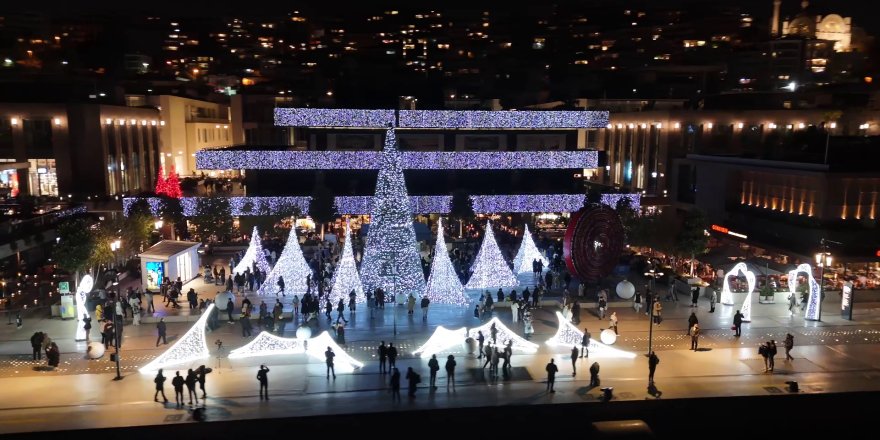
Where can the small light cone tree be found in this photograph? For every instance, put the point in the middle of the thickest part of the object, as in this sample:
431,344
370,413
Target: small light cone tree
527,254
253,254
391,259
160,181
490,269
443,286
345,277
291,266
172,184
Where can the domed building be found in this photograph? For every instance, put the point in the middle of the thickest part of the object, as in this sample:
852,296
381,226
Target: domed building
810,24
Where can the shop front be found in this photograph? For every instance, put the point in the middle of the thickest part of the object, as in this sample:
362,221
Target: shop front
169,259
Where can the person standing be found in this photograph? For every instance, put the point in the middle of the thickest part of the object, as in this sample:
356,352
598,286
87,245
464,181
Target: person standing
792,303
160,387
763,351
657,312
87,325
450,372
637,302
695,336
395,384
424,305
201,372
713,298
692,320
514,311
190,381
161,329
480,340
695,296
328,357
280,285
653,360
552,369
148,297
493,332
788,344
594,374
383,358
263,378
177,383
613,322
771,354
410,304
230,306
433,368
585,344
412,379
602,304
737,323
392,355
574,358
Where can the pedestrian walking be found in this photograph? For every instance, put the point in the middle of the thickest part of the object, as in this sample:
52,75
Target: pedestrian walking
201,372
383,358
594,374
160,387
340,307
585,343
412,379
713,298
487,351
433,368
737,323
792,303
657,312
450,372
392,355
613,322
395,384
788,343
263,378
87,325
695,336
692,320
161,329
424,305
653,360
177,383
764,352
328,358
480,340
574,357
552,369
637,302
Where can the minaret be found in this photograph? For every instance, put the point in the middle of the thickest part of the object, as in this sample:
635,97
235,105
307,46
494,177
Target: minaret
774,24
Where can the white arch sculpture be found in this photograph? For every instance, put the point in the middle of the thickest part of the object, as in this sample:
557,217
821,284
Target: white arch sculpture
82,292
727,294
814,305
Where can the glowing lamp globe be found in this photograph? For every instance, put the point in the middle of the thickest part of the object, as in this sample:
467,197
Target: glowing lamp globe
625,289
608,337
470,345
95,350
303,333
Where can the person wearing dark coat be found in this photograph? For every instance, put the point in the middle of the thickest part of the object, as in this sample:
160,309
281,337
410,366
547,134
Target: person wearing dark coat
594,374
53,355
551,375
178,383
653,360
450,372
395,384
433,367
574,357
160,387
738,322
691,321
191,381
392,355
413,380
383,358
37,345
161,329
230,307
201,372
87,325
263,378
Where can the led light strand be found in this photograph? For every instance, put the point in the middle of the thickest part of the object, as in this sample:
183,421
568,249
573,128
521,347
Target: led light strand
480,119
291,266
253,254
490,269
443,285
391,259
611,199
239,206
191,347
503,336
567,335
345,277
267,344
527,254
328,117
442,339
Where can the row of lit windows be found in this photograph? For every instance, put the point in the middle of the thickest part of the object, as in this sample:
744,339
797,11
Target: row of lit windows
739,125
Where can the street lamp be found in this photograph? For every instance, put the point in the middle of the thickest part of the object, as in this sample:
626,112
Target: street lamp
114,246
653,275
823,259
159,224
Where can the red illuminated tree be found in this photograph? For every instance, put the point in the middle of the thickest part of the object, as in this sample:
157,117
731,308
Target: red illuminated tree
169,186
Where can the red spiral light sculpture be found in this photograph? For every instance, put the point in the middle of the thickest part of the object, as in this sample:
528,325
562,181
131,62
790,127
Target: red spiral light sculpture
593,243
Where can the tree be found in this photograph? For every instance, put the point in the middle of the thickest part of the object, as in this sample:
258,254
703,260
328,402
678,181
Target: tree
443,285
73,248
691,239
345,277
137,228
171,212
322,209
490,269
461,208
169,186
160,181
213,218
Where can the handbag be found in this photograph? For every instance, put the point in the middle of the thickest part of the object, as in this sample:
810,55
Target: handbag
733,327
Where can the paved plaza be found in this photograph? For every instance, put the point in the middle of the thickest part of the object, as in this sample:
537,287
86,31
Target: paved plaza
833,355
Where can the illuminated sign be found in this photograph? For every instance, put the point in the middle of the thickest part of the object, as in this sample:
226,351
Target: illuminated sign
723,230
846,301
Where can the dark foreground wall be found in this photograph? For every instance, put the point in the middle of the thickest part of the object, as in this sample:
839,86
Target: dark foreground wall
786,415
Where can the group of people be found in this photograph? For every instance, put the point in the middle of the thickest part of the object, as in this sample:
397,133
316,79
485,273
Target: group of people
42,343
192,378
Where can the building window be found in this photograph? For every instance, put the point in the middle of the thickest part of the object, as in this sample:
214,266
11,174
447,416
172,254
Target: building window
37,134
43,177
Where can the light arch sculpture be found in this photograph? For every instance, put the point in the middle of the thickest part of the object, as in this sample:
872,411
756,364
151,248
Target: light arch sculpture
814,304
727,294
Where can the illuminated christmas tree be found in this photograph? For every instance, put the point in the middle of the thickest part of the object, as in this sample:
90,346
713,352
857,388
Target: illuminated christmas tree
345,277
490,269
391,259
527,254
291,266
253,254
160,181
169,186
443,286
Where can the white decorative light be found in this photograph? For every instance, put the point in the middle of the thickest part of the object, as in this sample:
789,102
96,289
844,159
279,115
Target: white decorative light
291,266
490,269
527,254
82,293
813,303
191,347
504,334
239,206
625,289
727,294
608,336
567,335
325,117
442,339
266,344
223,159
391,259
253,254
479,119
343,362
345,277
611,199
443,285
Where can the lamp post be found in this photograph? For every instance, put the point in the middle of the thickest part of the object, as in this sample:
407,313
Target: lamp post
823,258
114,247
653,275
